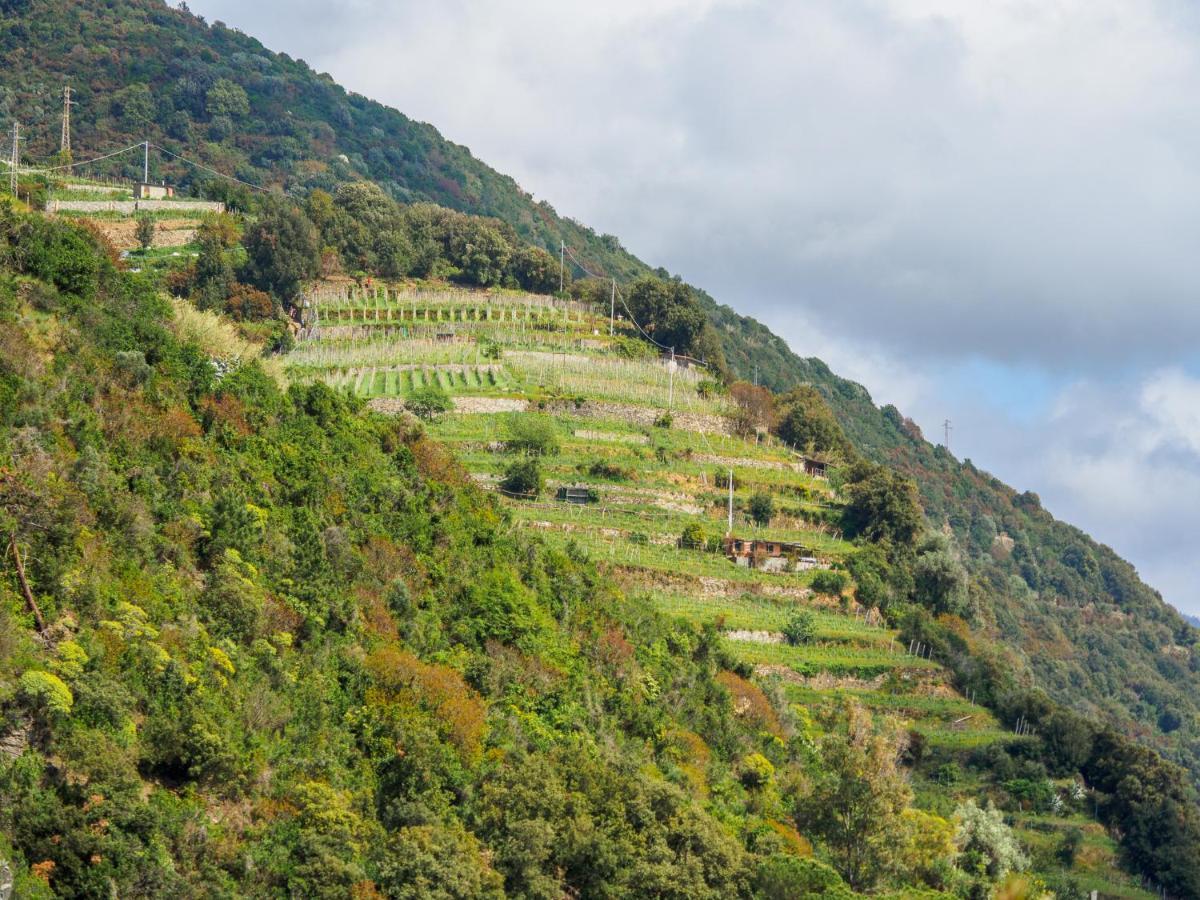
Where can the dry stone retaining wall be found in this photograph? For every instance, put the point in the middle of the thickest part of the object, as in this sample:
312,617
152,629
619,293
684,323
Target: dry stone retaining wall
129,207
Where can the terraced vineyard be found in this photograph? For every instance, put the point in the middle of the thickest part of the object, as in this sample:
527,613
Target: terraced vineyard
654,445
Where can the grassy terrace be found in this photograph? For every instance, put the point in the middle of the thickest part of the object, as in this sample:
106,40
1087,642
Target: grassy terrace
764,613
834,658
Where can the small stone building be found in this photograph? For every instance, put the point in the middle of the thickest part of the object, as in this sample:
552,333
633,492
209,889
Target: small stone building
770,556
148,191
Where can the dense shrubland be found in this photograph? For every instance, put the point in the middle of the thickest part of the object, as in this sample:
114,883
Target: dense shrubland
289,650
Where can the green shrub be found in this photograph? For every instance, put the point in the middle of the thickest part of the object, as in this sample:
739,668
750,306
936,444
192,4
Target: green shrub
428,402
801,628
755,770
523,478
532,434
762,508
48,691
830,583
693,536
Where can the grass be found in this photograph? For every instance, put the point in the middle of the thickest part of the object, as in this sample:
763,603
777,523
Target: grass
757,613
836,659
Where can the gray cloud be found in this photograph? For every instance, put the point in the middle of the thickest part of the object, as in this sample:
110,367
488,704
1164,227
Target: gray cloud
906,187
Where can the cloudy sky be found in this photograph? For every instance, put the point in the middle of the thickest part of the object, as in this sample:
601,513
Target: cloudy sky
987,212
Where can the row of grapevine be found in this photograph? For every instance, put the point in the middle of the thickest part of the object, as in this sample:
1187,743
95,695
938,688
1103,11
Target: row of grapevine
373,381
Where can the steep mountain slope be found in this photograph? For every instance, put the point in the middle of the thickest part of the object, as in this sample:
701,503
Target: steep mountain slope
259,641
1079,619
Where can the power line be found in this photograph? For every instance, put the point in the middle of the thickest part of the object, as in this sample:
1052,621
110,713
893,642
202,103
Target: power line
205,168
624,305
95,159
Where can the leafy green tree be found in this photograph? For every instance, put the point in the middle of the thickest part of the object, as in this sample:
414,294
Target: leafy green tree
856,801
801,628
47,691
785,877
987,844
428,402
532,434
762,508
144,231
437,862
830,583
806,422
881,505
135,106
282,251
669,311
523,477
939,579
693,536
227,98
214,279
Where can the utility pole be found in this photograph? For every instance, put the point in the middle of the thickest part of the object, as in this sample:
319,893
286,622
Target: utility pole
948,428
729,532
562,258
146,163
756,374
671,389
65,143
15,160
612,307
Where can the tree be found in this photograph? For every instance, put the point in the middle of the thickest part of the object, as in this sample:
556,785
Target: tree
762,508
282,251
988,846
939,579
214,278
857,802
428,402
669,312
144,231
693,537
755,408
801,628
806,422
523,477
881,505
830,584
532,435
226,98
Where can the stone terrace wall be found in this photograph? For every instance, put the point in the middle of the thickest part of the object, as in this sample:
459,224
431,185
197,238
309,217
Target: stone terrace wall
129,207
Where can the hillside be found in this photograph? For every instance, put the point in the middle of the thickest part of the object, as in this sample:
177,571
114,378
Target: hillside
262,641
1090,631
1045,603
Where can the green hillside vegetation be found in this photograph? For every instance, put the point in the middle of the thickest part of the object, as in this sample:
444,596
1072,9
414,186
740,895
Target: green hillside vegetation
404,273
260,641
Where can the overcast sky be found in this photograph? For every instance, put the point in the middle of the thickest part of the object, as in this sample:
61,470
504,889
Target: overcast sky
983,211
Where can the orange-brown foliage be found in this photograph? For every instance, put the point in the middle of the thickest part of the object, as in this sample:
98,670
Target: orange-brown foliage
793,841
614,649
43,870
277,616
249,303
750,703
436,463
225,409
439,689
